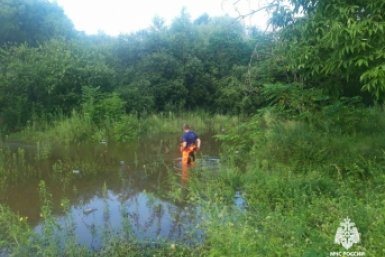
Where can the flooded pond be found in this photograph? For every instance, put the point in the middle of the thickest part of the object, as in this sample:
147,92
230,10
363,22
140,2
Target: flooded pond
108,189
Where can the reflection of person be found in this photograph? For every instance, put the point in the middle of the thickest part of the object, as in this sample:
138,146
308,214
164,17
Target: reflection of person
190,144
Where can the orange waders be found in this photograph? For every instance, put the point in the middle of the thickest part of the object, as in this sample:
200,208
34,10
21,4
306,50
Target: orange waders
188,154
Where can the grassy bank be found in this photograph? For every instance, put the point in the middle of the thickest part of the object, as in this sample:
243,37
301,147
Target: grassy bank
301,179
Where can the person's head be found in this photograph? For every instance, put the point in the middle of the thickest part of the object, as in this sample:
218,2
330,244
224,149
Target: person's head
186,127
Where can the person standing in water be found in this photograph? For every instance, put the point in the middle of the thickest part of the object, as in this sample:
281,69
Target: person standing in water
191,143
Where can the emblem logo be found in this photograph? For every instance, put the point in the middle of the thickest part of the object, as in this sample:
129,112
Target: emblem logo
347,234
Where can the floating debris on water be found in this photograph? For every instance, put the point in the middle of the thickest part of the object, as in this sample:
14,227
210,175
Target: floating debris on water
206,162
87,211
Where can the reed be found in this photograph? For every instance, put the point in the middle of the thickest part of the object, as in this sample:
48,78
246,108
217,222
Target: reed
80,128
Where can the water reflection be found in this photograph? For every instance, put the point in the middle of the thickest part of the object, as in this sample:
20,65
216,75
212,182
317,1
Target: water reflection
117,189
203,163
185,174
142,217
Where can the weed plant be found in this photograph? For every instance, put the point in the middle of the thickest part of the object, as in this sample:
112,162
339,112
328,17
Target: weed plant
14,166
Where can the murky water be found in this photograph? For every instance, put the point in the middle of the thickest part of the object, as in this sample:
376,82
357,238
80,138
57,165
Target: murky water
120,189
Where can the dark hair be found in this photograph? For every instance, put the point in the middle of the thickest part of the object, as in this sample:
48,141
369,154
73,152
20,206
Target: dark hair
186,126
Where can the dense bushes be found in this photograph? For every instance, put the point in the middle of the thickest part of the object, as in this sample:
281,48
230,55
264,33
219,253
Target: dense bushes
46,80
180,68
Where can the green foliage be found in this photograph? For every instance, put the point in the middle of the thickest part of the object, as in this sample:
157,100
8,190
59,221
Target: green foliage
126,129
168,123
46,80
299,176
293,100
299,213
121,248
32,22
115,127
336,136
101,108
179,68
13,166
138,97
14,232
187,66
77,128
337,45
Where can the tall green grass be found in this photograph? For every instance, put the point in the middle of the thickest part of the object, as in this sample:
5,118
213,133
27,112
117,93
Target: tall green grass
172,123
123,128
300,178
75,128
291,213
14,166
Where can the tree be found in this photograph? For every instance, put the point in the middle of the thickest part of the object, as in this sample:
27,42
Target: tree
32,21
47,79
335,44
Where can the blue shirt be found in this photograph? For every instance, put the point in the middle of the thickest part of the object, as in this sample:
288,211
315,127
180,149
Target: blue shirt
189,137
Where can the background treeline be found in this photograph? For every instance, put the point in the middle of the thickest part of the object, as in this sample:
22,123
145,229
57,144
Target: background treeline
334,49
48,68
